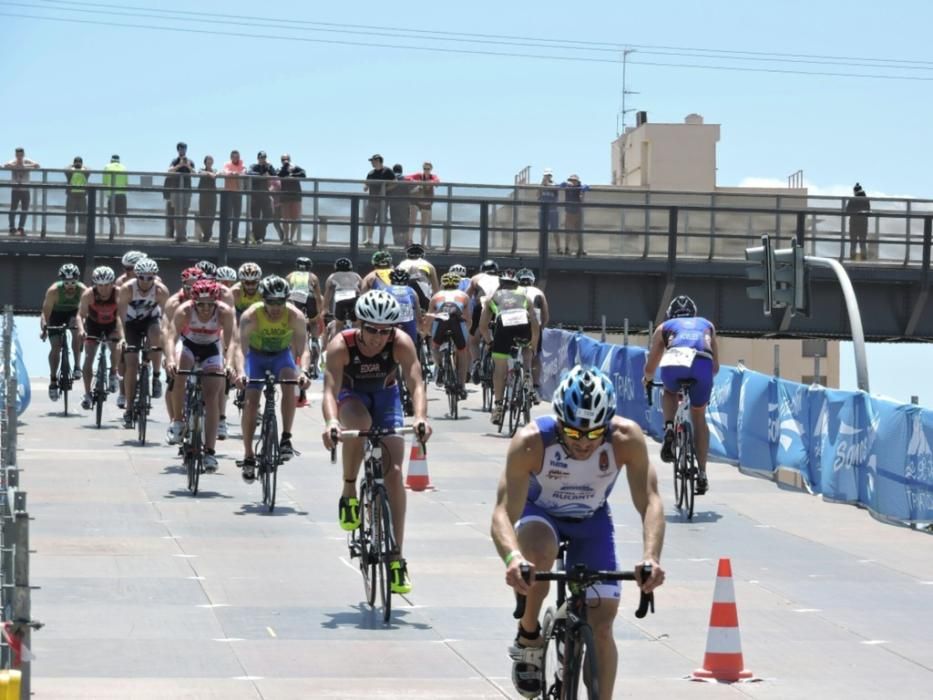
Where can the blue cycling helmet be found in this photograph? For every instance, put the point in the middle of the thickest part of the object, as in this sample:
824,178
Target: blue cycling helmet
681,307
585,398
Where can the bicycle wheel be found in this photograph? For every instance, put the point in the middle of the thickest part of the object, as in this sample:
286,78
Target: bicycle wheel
64,374
678,469
98,405
690,472
516,401
193,451
552,668
364,539
142,403
384,545
269,461
581,664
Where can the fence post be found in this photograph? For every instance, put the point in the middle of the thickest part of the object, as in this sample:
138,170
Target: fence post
91,240
224,222
354,227
624,332
483,230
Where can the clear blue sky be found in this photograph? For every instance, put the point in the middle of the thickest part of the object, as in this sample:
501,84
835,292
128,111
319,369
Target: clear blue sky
93,90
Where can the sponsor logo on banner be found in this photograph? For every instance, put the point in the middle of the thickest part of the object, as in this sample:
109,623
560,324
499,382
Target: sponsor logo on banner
919,468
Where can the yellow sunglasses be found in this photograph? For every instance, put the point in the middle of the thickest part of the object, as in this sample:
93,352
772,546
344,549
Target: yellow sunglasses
575,434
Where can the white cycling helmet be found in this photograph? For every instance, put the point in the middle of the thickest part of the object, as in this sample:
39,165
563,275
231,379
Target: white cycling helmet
131,257
458,270
379,307
585,398
226,274
146,266
103,275
274,287
250,272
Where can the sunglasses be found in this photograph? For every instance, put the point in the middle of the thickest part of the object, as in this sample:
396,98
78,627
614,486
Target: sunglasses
205,304
377,331
275,302
575,434
145,278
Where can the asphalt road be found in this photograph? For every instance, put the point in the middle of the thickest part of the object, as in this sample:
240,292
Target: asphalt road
149,593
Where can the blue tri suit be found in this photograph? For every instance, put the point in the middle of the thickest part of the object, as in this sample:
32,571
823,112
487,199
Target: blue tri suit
570,496
694,333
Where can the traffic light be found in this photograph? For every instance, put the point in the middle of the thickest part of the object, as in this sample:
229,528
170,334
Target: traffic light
791,281
762,273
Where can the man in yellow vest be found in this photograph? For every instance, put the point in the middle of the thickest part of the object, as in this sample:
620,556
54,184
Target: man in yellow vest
115,182
76,197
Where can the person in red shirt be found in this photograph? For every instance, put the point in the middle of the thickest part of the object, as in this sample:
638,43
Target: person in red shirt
423,201
232,198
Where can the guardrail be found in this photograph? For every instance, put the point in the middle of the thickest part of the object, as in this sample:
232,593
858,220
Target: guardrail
846,446
16,621
484,220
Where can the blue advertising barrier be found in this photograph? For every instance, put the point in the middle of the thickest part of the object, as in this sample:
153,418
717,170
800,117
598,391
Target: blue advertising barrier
23,392
847,446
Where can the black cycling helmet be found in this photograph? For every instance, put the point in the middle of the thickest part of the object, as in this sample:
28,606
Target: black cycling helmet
415,251
303,264
343,264
490,266
207,268
69,272
399,276
382,258
681,307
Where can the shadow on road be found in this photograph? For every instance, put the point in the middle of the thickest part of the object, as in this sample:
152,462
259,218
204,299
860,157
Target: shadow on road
364,617
260,509
705,516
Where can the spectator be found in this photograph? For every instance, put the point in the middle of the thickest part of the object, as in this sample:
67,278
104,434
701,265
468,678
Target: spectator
573,214
275,187
399,197
857,208
207,199
547,195
19,194
115,182
233,194
76,197
291,176
424,201
180,190
375,204
260,203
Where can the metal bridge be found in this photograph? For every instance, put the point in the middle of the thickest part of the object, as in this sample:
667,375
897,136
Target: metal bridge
641,247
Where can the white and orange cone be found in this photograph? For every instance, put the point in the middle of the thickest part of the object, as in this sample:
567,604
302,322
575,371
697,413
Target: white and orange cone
723,660
418,479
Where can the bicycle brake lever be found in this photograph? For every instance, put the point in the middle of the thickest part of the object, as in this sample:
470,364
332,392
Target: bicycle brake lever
646,600
520,599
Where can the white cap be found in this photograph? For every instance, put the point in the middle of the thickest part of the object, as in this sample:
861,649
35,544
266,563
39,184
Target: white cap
548,171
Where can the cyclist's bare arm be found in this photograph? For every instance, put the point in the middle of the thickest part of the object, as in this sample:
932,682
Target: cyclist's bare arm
329,294
407,356
535,328
299,325
484,319
337,358
316,290
124,297
655,351
83,307
227,325
247,324
162,295
545,312
714,349
630,450
435,284
524,458
48,303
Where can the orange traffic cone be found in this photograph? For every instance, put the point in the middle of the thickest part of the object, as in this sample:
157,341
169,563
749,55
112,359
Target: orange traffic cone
723,659
417,479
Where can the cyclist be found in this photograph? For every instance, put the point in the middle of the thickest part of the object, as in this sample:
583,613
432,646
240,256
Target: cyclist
507,321
97,317
685,347
226,276
422,275
246,291
378,278
342,289
558,475
465,281
452,302
410,319
140,302
272,335
198,336
59,308
129,260
526,278
209,272
483,285
189,276
361,391
306,295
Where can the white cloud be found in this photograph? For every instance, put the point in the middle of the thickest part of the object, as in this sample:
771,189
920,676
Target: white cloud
819,190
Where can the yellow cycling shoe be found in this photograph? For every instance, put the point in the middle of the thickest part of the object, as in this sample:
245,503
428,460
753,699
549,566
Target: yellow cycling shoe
400,583
349,513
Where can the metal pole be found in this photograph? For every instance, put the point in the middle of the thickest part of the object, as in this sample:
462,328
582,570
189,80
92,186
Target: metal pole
21,612
855,317
816,370
915,400
624,331
777,360
602,335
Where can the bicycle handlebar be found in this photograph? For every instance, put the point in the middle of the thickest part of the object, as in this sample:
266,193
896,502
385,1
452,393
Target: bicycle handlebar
588,577
263,380
200,373
372,433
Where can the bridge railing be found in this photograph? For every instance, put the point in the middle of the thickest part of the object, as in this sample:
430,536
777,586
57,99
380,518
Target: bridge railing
337,214
15,607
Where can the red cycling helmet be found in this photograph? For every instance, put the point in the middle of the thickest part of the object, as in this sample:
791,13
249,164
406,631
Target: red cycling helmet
205,290
191,275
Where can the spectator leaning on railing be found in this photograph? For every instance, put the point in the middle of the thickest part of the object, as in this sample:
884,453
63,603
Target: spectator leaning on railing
399,197
547,195
233,172
76,197
19,193
857,208
115,181
573,215
180,190
290,176
207,199
424,201
375,204
260,203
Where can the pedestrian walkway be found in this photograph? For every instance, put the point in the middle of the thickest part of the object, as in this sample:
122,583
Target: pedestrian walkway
149,593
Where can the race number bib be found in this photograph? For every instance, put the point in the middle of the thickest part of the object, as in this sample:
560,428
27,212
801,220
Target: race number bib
344,294
442,316
298,296
678,357
513,317
407,313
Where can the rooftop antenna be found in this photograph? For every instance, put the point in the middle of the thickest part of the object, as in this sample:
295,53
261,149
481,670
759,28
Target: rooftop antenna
620,117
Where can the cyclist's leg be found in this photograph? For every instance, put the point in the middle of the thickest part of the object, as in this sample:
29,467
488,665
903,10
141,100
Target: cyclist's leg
177,386
353,415
55,352
592,543
387,413
285,368
538,535
670,377
700,392
212,386
184,360
75,341
255,366
154,337
501,345
459,332
90,350
131,362
436,341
